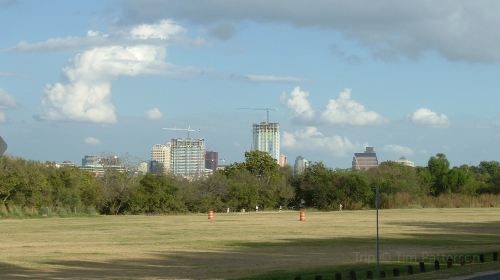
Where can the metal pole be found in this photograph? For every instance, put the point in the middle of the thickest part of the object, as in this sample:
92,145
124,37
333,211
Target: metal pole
377,195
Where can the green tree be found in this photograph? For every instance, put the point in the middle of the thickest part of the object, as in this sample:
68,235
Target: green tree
115,193
261,163
438,167
155,194
459,179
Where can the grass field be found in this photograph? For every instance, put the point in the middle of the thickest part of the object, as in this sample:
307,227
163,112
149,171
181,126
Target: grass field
235,245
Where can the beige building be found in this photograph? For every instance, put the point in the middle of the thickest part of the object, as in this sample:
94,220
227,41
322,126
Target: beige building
160,153
366,160
283,160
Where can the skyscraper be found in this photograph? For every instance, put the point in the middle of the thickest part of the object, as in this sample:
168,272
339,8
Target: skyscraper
366,160
160,153
283,161
300,166
188,157
266,138
211,160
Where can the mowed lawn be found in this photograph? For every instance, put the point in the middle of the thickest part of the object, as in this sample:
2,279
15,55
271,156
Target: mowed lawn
235,245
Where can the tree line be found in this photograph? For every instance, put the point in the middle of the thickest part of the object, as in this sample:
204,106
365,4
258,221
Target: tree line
36,188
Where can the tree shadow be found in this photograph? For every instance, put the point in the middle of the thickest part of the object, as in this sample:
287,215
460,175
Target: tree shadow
251,258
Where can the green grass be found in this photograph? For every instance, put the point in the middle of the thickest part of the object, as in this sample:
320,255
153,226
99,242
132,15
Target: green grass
388,267
238,245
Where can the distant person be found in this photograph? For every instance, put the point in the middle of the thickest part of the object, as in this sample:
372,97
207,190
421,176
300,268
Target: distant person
280,208
340,207
227,211
256,208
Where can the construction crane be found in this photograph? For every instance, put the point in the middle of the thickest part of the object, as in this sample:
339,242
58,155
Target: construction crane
188,129
261,109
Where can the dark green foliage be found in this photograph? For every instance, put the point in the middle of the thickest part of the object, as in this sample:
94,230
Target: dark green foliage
36,188
438,167
326,189
155,194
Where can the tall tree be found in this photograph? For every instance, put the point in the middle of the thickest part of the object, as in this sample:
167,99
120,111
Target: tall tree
438,167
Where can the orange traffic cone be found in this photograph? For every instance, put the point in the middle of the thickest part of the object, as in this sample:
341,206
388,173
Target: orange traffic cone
211,215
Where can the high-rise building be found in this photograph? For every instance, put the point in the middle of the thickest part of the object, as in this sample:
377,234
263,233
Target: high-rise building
211,160
366,160
300,166
160,154
283,161
187,157
266,138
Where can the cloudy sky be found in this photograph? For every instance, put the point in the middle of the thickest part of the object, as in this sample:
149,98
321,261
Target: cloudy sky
410,78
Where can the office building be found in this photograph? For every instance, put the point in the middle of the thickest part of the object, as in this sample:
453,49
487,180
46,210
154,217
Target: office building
366,160
211,160
160,155
300,166
266,138
187,157
98,164
65,163
283,161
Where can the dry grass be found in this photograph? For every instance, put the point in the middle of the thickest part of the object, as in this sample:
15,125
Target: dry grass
190,247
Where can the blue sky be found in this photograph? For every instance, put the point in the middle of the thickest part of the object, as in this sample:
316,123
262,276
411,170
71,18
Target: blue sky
411,78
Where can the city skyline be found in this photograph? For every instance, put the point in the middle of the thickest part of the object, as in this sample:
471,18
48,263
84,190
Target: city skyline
96,77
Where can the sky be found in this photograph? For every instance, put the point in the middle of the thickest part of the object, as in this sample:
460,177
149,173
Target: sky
410,78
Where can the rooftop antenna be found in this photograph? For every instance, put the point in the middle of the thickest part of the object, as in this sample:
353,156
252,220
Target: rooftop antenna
188,130
261,109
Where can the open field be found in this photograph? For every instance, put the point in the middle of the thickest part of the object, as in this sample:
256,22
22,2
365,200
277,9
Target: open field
235,245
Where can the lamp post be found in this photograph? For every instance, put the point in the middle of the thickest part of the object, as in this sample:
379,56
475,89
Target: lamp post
377,199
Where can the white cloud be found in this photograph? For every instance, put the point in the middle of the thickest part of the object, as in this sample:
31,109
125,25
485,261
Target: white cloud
345,110
398,150
141,34
86,96
6,102
312,139
163,30
426,117
300,106
92,141
458,30
154,114
57,44
271,79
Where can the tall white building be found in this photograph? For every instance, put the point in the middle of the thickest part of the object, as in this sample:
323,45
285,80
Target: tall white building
160,153
187,157
266,138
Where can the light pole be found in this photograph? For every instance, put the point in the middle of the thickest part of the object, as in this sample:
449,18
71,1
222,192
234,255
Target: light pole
377,199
